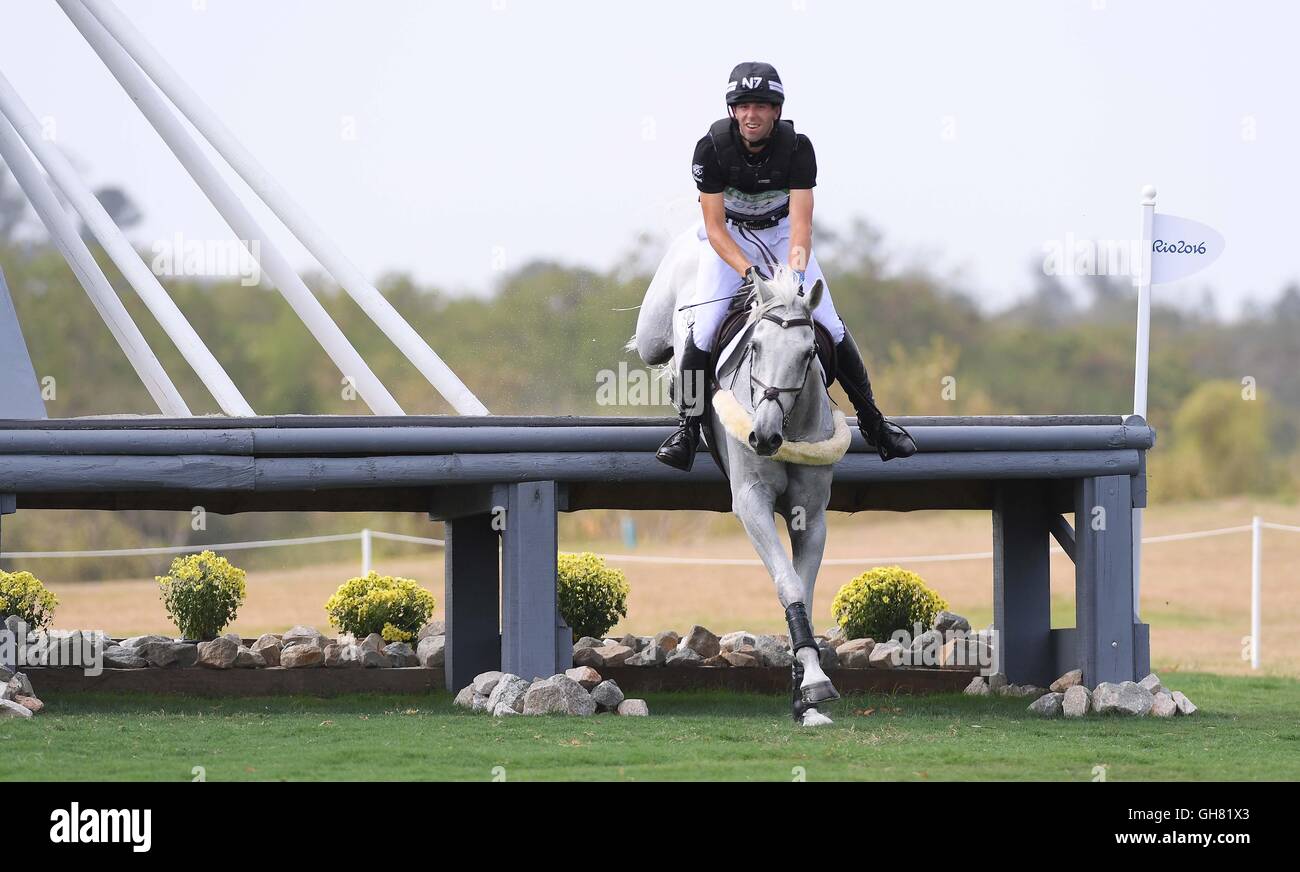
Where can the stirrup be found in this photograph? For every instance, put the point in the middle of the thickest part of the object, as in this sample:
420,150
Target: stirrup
899,433
679,449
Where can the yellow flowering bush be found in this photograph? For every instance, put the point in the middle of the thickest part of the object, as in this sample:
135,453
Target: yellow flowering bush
885,599
22,594
396,608
202,593
592,596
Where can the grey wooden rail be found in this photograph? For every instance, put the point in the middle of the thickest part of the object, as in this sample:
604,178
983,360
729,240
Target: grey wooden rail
480,473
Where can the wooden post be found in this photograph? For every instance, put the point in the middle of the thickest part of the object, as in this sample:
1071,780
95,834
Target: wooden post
472,599
1022,606
1103,580
531,628
20,392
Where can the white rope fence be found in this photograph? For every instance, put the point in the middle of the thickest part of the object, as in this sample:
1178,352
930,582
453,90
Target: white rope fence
367,537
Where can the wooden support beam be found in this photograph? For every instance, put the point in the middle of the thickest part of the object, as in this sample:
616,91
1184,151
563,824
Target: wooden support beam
1103,590
1022,607
472,599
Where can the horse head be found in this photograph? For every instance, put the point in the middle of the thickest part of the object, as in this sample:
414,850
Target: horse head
782,355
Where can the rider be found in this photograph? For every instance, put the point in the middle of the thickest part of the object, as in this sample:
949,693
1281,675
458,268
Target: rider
755,176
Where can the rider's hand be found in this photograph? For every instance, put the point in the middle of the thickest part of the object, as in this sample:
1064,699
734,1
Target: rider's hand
753,273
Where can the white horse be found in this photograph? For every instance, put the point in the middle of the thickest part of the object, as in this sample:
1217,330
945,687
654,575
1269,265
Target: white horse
782,435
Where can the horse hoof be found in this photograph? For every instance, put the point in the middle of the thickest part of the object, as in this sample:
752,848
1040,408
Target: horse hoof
814,718
821,691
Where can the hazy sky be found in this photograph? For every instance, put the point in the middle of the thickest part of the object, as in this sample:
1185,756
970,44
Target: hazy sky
497,131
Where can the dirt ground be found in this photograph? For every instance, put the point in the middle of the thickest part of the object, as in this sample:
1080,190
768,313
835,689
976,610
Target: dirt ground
1195,594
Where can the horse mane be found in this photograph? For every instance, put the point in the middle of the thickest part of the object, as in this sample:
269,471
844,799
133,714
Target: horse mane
785,293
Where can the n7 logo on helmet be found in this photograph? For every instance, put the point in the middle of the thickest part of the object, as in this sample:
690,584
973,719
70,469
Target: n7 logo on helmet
751,82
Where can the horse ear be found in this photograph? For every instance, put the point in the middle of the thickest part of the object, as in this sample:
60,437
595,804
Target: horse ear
815,296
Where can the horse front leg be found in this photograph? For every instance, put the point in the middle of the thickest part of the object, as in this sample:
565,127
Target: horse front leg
807,530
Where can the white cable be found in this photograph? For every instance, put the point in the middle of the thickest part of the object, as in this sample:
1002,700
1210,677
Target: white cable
299,222
304,304
170,318
68,241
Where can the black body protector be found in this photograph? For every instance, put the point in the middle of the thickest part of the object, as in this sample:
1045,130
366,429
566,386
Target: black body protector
763,187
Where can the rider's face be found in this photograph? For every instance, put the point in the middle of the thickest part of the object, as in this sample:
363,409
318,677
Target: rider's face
756,119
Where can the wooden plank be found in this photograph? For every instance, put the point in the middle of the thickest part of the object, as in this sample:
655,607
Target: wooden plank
530,615
1103,591
471,587
20,392
634,680
272,681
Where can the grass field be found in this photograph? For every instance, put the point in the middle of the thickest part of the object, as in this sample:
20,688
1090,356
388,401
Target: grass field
1246,730
1195,594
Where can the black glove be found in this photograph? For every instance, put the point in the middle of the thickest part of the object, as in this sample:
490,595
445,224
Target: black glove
755,271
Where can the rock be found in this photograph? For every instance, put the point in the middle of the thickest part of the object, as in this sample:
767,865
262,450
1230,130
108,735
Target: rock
1185,706
269,647
10,709
465,699
1073,678
1164,706
6,673
683,656
589,657
650,655
402,655
634,708
737,639
302,657
886,655
607,696
1048,705
736,658
965,651
507,695
137,641
615,655
1127,698
855,653
504,710
702,642
486,682
234,637
479,704
220,653
587,642
829,659
1077,701
925,649
15,625
1027,690
559,694
32,704
636,643
433,628
432,651
1152,684
667,641
350,656
333,655
301,635
717,661
247,658
169,653
835,635
584,675
977,687
997,681
371,659
774,651
947,622
121,657
373,642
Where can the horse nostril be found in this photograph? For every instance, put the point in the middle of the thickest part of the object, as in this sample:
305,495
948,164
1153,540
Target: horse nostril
753,440
776,441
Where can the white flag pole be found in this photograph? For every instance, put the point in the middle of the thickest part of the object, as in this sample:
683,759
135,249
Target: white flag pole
1142,363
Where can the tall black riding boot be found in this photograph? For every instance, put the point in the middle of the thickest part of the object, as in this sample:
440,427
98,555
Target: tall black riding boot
889,439
678,450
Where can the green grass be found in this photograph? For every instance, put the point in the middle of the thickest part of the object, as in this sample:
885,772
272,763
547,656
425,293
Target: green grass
1246,729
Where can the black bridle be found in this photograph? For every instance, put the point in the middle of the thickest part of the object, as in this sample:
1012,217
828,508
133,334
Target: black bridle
770,392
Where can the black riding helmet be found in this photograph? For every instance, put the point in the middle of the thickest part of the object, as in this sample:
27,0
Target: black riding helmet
754,82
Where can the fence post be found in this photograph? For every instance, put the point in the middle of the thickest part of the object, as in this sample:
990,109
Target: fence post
365,551
1256,531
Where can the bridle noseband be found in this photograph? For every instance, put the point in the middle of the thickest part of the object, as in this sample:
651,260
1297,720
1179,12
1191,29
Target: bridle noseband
770,392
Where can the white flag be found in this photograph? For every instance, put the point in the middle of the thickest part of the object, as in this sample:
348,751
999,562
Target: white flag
1180,247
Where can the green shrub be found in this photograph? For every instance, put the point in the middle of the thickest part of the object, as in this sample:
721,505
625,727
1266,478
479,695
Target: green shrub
202,593
883,600
22,594
592,596
396,608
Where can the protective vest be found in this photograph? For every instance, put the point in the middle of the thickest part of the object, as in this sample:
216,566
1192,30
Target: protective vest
755,192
